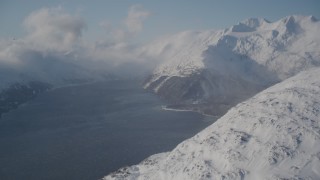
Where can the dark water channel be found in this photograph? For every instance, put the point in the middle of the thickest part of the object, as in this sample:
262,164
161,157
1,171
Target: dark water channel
85,132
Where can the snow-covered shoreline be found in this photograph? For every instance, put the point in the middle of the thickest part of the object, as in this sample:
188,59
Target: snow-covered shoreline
166,108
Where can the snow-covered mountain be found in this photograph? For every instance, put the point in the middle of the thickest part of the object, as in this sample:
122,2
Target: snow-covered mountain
273,135
213,70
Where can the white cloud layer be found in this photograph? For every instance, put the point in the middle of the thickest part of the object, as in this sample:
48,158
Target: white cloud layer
54,47
136,16
131,26
54,29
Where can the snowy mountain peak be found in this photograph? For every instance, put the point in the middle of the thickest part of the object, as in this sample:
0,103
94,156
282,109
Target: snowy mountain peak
313,19
298,18
295,23
255,22
291,23
248,25
258,36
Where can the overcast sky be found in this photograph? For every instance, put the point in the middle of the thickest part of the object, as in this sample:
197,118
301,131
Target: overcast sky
143,20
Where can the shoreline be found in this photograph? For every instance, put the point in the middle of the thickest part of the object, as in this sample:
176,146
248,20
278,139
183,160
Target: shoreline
166,108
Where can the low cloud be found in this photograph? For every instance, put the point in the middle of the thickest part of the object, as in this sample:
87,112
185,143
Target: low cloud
54,29
136,16
54,48
131,26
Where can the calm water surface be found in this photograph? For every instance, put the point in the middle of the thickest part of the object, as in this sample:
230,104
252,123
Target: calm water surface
85,132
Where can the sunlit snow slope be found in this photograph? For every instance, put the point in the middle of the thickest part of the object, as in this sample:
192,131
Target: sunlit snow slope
273,135
213,70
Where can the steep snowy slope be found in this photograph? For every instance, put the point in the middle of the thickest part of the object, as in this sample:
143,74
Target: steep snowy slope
273,135
221,68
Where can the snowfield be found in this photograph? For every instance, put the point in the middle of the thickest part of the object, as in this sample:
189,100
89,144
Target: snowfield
273,135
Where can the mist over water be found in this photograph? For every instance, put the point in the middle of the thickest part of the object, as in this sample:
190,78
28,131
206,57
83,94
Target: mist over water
88,131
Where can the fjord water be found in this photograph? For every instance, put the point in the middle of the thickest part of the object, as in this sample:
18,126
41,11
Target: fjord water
87,131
